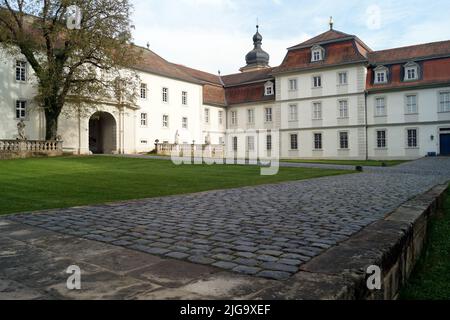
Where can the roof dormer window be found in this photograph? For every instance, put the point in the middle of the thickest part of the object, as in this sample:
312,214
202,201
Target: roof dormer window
381,75
268,88
411,71
317,54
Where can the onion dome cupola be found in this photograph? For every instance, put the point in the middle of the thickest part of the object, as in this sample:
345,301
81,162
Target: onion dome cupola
256,59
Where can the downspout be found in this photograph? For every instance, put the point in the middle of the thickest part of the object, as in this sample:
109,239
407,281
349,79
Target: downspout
366,124
79,131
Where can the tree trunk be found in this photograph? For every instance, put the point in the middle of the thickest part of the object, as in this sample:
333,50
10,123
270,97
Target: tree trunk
51,126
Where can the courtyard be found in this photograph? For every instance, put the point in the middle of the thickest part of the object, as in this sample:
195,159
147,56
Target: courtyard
256,231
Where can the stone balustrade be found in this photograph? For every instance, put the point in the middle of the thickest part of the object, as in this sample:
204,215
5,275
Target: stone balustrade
189,150
10,149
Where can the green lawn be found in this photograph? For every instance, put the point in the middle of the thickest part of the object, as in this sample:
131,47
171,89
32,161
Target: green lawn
44,183
431,278
369,163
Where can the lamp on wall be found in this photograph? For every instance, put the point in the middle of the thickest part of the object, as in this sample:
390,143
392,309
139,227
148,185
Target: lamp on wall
432,137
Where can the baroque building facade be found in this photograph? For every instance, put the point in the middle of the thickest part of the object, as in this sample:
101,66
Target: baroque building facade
332,97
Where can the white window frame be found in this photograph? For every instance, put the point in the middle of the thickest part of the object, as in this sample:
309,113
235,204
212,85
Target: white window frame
410,107
381,142
412,142
318,143
444,101
293,112
184,123
317,81
293,84
317,54
20,109
220,116
21,68
165,95
269,142
317,111
207,115
268,115
144,91
343,109
269,88
377,107
184,98
250,143
144,119
411,68
381,75
293,139
251,116
165,121
344,142
342,75
234,118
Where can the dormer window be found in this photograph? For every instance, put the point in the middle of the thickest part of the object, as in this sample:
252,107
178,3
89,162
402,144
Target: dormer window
411,71
381,75
268,88
317,54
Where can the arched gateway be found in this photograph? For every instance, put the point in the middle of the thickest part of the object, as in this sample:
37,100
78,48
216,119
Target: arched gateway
102,133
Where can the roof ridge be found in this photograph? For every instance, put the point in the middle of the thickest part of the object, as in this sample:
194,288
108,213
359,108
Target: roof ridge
409,46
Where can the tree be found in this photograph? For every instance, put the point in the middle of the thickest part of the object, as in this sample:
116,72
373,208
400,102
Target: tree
75,62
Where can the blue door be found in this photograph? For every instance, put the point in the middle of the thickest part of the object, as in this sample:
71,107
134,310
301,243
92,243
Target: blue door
445,144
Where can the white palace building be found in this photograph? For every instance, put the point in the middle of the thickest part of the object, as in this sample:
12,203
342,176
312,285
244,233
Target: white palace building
331,98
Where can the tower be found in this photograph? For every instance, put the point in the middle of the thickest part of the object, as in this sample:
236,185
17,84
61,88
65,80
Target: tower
257,59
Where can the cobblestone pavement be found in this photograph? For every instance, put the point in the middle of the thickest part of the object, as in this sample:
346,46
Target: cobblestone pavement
267,231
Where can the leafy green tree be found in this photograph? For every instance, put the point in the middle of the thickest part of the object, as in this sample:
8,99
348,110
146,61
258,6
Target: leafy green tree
79,54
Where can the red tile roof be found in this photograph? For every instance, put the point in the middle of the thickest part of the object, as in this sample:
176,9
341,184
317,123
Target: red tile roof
416,52
337,53
247,77
247,93
200,75
214,95
330,35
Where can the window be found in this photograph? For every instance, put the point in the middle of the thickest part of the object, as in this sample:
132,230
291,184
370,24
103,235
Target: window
21,71
184,98
317,111
294,141
144,142
343,109
269,116
444,102
184,123
268,88
343,140
293,112
220,117
206,116
293,85
144,120
380,107
342,78
143,91
21,109
411,71
250,116
381,75
165,95
165,121
381,139
411,104
235,144
317,53
269,142
412,138
234,120
318,141
317,81
251,143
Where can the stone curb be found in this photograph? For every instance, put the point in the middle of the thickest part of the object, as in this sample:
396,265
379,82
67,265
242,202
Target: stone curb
394,244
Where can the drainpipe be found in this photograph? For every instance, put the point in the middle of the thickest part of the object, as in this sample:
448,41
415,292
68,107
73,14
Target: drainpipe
366,124
79,131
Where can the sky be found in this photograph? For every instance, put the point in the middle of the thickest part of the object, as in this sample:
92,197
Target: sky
213,35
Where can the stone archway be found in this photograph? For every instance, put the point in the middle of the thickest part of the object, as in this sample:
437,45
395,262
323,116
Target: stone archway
102,133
